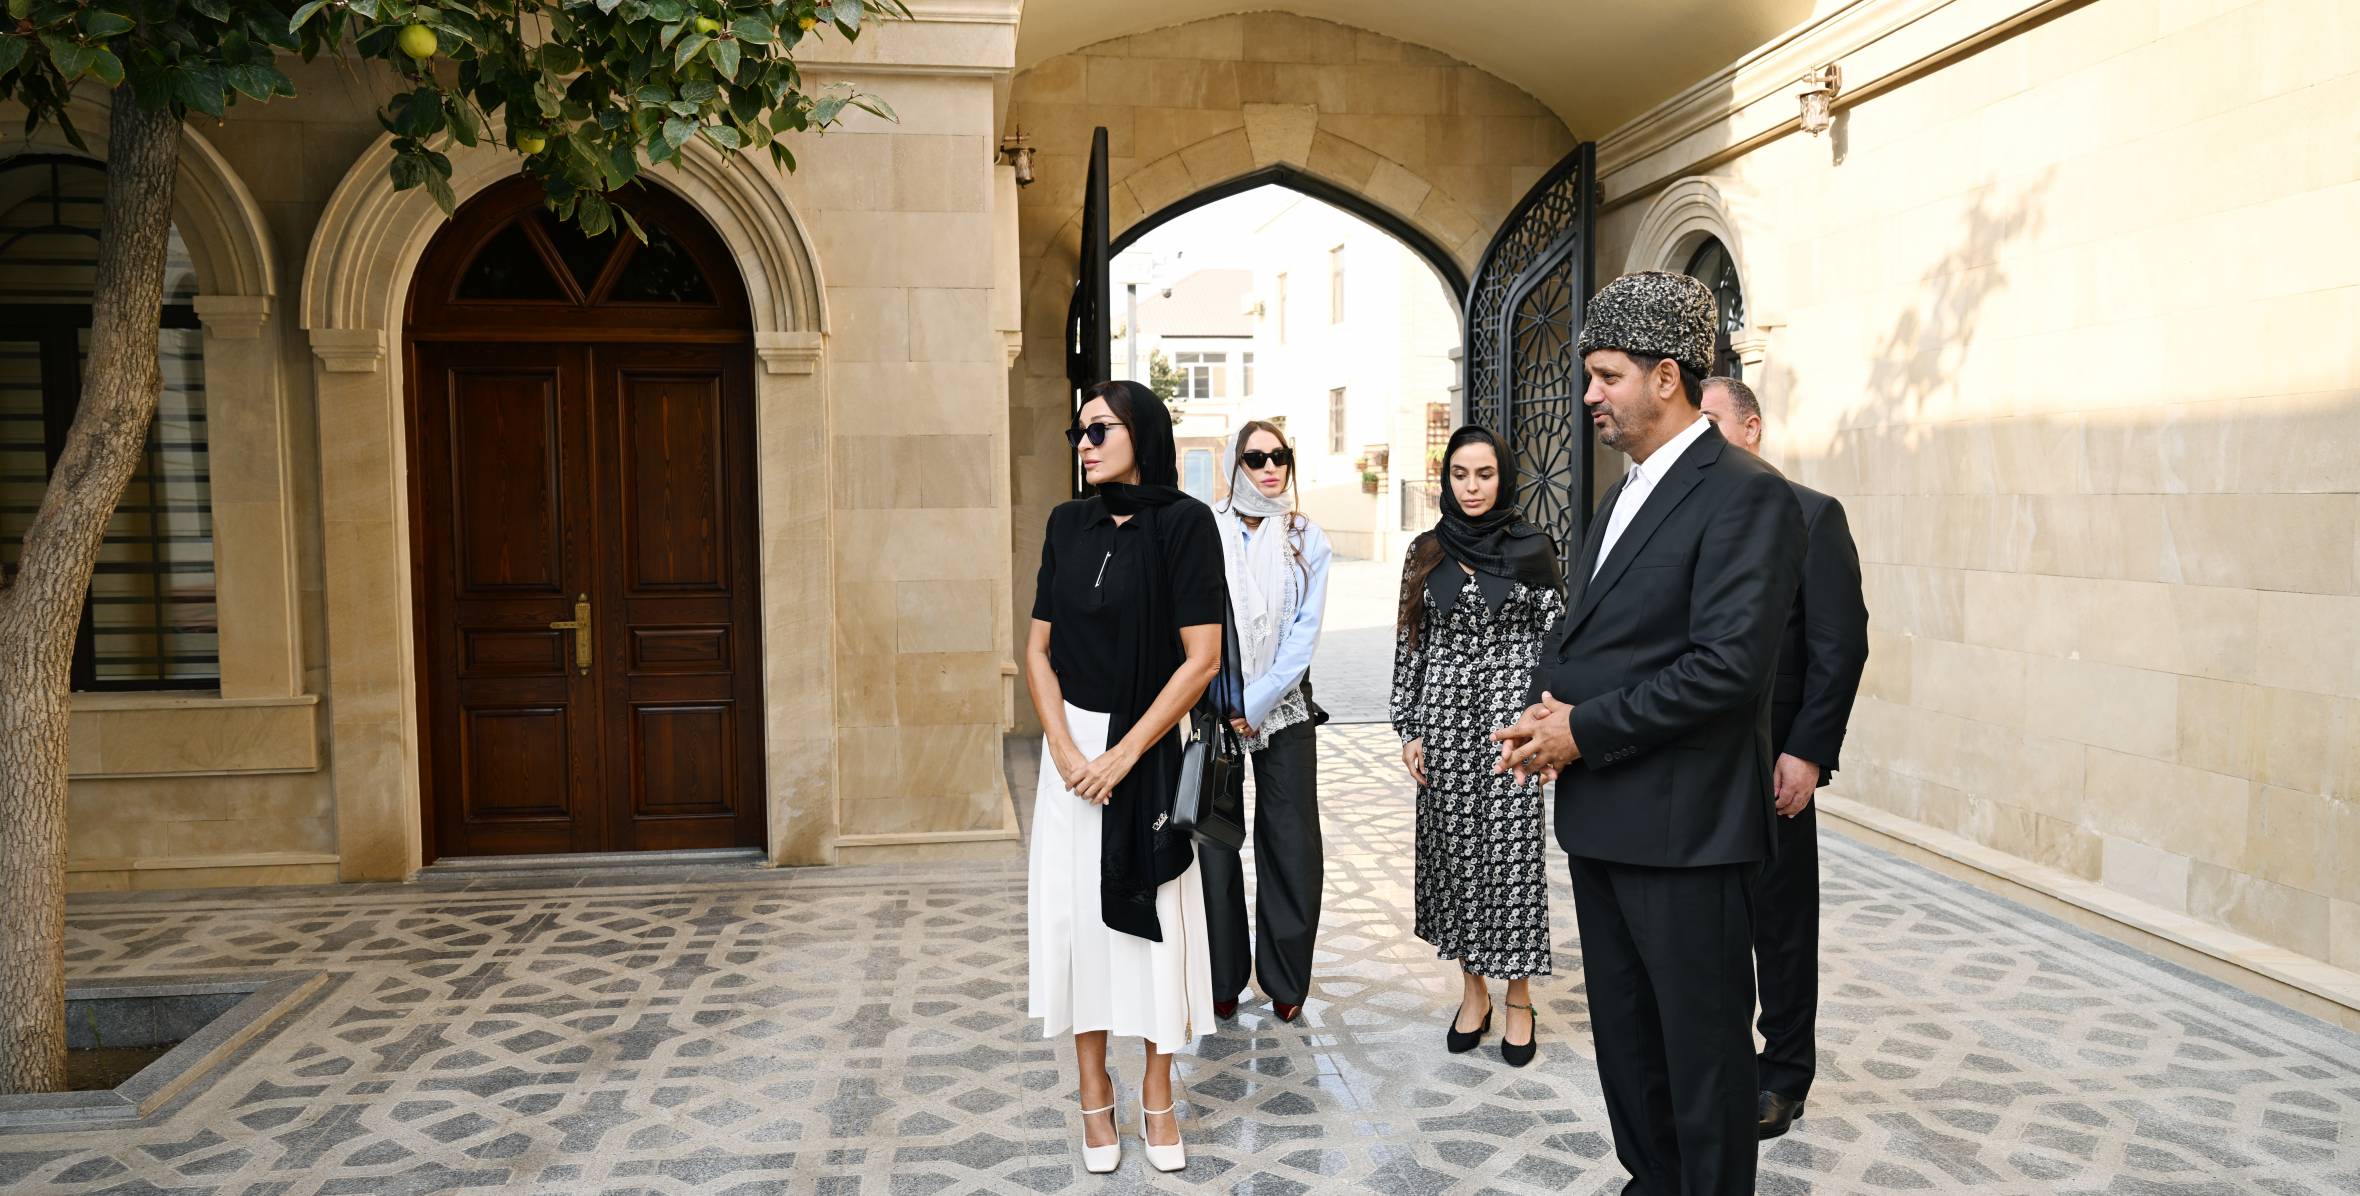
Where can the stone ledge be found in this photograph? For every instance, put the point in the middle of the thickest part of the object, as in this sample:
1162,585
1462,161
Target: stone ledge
2288,977
122,736
200,1056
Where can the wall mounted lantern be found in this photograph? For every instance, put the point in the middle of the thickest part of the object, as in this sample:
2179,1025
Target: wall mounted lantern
1819,102
1016,151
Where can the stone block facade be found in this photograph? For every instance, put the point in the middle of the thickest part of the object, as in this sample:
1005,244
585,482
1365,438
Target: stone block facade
2068,325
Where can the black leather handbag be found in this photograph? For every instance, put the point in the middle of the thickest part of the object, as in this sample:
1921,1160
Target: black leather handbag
1206,804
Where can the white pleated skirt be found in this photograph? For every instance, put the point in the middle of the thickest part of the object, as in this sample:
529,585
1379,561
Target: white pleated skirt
1086,977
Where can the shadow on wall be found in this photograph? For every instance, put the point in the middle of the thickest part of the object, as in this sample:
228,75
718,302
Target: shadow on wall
2112,637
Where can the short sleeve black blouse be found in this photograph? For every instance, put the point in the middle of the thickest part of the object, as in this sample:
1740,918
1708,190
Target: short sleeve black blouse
1091,572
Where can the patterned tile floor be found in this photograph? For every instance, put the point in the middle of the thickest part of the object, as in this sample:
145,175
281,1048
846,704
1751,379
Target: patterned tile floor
863,1031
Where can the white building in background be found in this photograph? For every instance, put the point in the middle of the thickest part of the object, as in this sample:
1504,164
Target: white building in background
1199,321
1313,319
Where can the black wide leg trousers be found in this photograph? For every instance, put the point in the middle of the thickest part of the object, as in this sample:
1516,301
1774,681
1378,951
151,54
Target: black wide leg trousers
1667,962
1289,863
1786,956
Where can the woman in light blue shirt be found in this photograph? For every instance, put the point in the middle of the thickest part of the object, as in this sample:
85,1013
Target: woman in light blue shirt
1277,563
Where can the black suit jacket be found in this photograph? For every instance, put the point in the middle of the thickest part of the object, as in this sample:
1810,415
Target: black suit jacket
1826,645
1668,656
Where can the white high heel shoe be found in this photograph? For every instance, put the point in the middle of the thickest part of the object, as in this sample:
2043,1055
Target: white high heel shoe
1162,1158
1100,1160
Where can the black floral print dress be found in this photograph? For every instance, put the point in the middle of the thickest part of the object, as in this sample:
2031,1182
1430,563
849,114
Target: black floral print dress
1482,880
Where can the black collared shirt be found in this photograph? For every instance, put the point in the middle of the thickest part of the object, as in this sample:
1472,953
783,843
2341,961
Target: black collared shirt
1092,571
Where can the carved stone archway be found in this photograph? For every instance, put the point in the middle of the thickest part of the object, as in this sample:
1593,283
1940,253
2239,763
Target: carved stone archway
1678,221
355,283
1440,146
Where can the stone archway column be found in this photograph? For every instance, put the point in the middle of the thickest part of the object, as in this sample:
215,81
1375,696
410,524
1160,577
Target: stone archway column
798,597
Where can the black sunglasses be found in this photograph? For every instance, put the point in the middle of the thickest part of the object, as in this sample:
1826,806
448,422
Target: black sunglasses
1096,432
1256,458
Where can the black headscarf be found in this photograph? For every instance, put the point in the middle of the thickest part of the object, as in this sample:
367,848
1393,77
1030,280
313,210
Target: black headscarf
1498,544
1138,847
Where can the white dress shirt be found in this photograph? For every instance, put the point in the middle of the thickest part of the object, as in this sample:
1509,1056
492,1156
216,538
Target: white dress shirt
1640,484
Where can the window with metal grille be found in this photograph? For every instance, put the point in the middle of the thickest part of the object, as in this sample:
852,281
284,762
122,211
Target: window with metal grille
1712,266
1336,420
149,620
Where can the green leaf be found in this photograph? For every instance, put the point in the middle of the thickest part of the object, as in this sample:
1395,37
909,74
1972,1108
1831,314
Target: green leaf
96,23
875,106
699,91
826,109
200,87
725,58
723,136
848,13
71,58
654,93
409,170
686,50
462,122
439,186
677,131
686,107
594,215
12,51
107,68
631,222
362,8
667,11
253,80
755,30
608,6
20,9
560,59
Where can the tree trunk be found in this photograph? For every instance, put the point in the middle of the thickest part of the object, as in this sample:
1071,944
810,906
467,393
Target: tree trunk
41,608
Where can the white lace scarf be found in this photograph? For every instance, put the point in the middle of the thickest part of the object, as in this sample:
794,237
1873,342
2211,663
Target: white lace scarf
1264,585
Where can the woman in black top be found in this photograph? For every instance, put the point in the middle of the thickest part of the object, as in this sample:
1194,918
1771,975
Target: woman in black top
1126,634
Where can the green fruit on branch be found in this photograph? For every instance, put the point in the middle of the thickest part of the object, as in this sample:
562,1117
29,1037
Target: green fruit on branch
419,42
708,26
531,143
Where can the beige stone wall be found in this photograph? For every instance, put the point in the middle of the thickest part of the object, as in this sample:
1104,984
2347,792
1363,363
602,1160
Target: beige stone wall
2068,324
1446,147
905,216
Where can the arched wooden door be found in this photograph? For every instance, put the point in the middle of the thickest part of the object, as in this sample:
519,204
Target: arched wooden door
581,436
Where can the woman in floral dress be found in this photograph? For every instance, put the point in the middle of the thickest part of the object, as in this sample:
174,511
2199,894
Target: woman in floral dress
1478,594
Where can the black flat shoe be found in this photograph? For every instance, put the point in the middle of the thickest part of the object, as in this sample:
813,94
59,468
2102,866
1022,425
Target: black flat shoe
1778,1114
1461,1043
1518,1054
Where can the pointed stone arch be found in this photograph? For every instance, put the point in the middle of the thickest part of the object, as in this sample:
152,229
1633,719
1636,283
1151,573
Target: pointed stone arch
356,280
1444,148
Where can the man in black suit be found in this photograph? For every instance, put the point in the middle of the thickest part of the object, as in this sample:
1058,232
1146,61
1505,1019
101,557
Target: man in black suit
1819,667
1653,714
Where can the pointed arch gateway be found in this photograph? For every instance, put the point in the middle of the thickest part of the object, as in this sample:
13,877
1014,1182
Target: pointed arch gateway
587,590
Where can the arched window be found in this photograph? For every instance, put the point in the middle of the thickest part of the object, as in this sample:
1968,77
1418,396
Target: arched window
148,621
1712,266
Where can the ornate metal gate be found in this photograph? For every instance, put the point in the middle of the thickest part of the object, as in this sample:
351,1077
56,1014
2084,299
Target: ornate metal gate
1523,380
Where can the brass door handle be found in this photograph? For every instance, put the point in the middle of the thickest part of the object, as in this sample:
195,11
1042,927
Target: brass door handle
580,626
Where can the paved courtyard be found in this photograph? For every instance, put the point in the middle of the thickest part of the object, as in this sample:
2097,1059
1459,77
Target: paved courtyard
862,1031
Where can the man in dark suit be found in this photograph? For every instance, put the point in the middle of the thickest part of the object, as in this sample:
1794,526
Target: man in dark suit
1819,667
1653,714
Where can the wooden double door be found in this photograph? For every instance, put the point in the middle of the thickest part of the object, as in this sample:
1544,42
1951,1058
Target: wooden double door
588,591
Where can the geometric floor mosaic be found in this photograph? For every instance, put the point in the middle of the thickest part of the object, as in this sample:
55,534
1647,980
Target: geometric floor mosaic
862,1031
